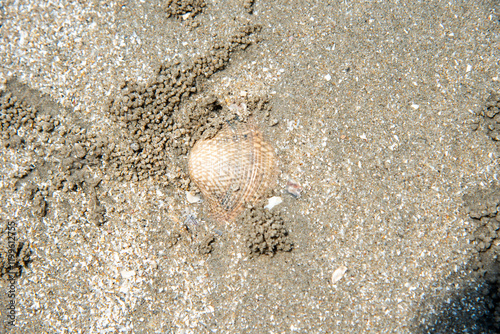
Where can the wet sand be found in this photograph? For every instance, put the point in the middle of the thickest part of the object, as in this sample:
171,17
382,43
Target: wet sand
376,104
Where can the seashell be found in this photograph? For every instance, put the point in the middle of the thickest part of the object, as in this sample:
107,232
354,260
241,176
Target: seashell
233,169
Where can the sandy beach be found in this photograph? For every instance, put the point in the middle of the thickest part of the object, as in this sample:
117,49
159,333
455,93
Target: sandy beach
383,116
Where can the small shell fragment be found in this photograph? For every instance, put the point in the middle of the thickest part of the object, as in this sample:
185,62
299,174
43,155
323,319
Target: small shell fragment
127,273
192,198
294,188
272,202
338,274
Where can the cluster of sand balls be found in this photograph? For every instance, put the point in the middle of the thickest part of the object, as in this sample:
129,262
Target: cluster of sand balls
157,131
177,8
15,114
266,232
63,152
491,116
483,208
248,4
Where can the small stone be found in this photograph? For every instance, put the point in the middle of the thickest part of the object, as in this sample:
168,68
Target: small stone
172,239
39,205
206,246
135,146
79,151
273,122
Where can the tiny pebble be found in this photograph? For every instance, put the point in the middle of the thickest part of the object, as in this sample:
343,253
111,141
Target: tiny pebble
273,122
135,146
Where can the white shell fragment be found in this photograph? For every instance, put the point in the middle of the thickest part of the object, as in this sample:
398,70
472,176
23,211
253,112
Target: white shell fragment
338,274
127,273
272,202
192,198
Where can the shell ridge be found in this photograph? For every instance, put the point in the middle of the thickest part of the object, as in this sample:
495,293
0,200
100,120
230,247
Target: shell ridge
256,168
241,139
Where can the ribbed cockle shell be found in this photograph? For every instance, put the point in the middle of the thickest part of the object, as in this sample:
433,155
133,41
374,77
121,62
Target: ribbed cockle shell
233,169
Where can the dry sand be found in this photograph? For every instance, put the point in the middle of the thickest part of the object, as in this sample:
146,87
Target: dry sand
375,102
